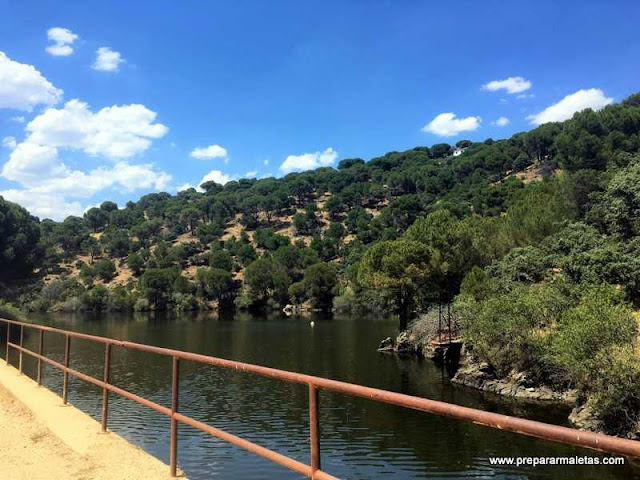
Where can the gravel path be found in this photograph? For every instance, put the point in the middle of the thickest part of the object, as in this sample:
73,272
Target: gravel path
41,439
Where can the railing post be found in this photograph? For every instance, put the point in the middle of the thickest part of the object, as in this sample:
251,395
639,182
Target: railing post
40,353
173,447
65,382
314,428
21,342
105,392
449,321
8,339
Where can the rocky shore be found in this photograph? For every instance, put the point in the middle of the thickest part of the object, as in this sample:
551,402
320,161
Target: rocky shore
480,376
470,373
465,370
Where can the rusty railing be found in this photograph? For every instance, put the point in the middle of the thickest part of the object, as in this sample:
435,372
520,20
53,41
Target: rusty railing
554,433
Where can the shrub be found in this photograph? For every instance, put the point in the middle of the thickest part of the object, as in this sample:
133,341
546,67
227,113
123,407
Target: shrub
617,388
184,302
135,263
95,299
87,273
11,312
298,292
512,330
141,305
221,259
596,324
73,304
105,269
243,301
120,300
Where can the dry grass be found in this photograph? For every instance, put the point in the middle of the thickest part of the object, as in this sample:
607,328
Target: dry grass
184,238
529,175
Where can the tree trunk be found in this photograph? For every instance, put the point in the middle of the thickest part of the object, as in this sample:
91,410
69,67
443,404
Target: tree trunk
449,319
403,314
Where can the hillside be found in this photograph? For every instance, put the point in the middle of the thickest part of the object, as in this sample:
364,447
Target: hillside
533,240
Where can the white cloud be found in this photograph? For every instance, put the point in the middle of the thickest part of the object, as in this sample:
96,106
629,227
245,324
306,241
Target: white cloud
17,119
564,109
115,132
447,125
43,175
107,60
502,122
39,169
212,151
216,176
511,85
309,161
22,87
266,163
118,131
122,176
30,164
9,142
523,96
44,205
62,39
251,174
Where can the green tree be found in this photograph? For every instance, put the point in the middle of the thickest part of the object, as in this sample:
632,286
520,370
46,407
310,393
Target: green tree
190,217
70,234
156,284
109,206
105,269
297,292
267,278
221,259
440,150
453,240
618,208
135,263
118,244
19,237
92,247
214,283
320,281
97,218
401,267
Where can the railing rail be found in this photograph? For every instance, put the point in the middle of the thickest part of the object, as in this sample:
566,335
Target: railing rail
554,433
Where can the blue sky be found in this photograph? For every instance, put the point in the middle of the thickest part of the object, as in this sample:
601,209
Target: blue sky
124,98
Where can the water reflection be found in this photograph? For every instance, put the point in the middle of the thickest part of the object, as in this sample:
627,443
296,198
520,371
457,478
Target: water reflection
360,439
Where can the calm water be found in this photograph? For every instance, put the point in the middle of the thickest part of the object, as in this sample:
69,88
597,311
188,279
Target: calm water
359,439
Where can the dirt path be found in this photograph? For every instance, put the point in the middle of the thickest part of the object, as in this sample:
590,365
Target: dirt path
30,450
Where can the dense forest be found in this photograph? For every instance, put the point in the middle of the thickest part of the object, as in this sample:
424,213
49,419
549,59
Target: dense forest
533,240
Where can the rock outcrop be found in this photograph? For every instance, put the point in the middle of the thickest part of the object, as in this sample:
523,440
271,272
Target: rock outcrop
481,376
585,418
404,344
387,345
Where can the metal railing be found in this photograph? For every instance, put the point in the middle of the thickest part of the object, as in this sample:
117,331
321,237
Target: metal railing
522,426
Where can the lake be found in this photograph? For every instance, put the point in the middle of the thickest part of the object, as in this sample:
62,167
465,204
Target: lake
359,439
